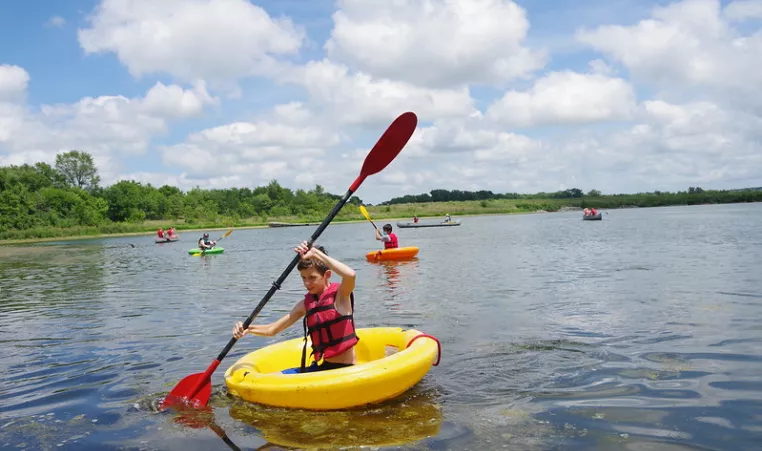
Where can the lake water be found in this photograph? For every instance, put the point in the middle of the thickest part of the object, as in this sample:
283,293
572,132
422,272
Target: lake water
639,332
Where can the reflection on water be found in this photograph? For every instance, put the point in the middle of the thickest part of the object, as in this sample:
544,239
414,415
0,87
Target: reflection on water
413,418
642,331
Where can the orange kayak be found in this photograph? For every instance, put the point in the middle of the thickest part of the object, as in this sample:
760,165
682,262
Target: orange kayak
399,253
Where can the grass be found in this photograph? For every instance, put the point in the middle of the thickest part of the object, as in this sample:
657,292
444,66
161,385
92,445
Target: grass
349,213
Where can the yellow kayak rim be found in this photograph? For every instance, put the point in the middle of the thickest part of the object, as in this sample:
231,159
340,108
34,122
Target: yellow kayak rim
390,361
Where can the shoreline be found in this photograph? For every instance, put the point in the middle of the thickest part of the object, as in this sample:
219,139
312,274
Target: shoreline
298,224
115,235
180,232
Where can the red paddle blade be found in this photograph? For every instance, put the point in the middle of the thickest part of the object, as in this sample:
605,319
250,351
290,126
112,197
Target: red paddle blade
183,394
388,146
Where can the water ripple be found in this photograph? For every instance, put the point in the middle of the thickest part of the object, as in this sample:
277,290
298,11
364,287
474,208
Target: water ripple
639,332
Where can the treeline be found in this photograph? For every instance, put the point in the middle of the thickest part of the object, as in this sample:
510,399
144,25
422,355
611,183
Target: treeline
575,197
36,198
66,199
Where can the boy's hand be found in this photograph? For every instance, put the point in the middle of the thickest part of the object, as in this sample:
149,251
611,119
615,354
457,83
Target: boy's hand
304,251
238,330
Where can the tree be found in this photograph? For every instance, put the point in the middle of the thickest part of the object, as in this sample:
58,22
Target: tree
594,193
78,169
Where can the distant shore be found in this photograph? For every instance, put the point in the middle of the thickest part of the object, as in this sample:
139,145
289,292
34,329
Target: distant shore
296,223
379,214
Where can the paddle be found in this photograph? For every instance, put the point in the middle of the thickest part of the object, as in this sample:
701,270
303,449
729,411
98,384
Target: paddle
195,390
367,216
215,243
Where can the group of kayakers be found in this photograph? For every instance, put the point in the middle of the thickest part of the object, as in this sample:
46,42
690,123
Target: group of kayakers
447,218
204,243
590,212
170,233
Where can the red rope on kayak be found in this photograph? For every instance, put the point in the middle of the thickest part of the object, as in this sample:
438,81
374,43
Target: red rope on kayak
439,345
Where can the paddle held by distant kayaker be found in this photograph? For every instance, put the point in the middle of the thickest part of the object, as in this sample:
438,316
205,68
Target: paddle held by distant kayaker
389,238
327,309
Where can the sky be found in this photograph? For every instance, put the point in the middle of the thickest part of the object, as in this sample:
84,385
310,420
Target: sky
521,96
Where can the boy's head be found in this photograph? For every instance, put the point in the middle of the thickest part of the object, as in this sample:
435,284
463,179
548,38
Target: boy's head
315,274
387,228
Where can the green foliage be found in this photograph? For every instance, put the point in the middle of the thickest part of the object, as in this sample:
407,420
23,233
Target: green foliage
574,197
78,169
42,201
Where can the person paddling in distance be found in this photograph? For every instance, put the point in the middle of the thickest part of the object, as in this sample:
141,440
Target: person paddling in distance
389,238
327,309
204,243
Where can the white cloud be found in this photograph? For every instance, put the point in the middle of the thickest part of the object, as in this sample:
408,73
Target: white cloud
744,9
175,102
108,127
684,42
215,40
434,43
13,83
673,100
358,98
259,151
566,97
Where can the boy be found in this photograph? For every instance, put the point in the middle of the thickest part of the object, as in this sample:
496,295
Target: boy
389,238
327,309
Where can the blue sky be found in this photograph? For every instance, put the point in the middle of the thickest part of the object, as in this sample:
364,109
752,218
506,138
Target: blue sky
616,95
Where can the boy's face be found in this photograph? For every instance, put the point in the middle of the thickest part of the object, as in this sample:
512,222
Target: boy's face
313,281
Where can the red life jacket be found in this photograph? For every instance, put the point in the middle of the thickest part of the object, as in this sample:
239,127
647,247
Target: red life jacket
161,234
331,332
392,243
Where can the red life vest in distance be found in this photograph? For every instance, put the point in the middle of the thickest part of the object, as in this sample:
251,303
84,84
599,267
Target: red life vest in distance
392,243
331,332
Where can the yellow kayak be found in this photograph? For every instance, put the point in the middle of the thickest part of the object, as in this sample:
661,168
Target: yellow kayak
389,362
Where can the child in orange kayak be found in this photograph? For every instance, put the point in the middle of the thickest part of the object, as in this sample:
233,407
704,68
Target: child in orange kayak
327,309
389,238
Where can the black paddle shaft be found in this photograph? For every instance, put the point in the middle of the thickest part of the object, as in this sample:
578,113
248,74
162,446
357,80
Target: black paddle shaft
291,266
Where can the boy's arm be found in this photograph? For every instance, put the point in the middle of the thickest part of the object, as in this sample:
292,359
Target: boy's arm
272,329
382,237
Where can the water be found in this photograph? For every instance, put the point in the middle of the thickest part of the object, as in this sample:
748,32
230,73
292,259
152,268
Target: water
640,332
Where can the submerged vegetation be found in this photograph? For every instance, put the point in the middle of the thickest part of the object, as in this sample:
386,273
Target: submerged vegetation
66,199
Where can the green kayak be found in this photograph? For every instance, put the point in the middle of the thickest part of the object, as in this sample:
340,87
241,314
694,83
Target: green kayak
214,250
